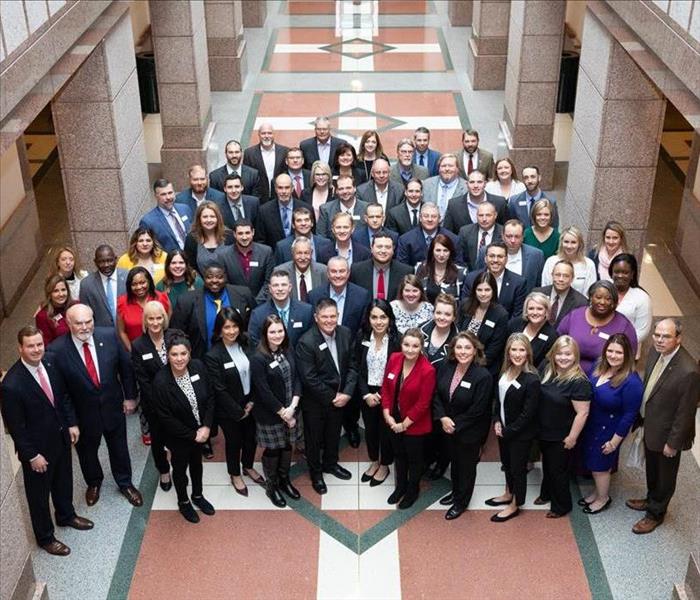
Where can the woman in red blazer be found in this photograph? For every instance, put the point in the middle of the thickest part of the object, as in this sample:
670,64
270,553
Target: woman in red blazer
407,391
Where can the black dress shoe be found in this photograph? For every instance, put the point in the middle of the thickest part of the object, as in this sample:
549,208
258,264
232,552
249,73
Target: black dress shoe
589,511
494,502
166,485
365,478
319,485
203,504
447,500
454,512
396,496
207,450
286,486
57,548
275,496
188,512
436,473
496,519
582,502
338,471
408,500
353,438
375,482
79,523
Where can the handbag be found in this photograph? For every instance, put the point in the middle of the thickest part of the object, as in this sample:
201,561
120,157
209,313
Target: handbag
635,457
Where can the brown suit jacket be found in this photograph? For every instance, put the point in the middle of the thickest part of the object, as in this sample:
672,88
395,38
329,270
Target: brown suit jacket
669,417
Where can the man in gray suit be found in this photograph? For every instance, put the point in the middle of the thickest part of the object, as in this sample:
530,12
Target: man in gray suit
304,274
403,169
471,157
346,201
100,289
522,259
461,210
475,237
671,392
562,297
381,189
447,184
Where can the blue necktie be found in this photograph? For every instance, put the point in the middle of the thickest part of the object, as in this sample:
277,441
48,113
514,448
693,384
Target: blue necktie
283,316
110,298
285,220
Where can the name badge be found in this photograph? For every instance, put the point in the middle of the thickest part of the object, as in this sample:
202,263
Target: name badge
297,324
356,217
323,346
543,337
465,384
274,364
489,323
58,317
516,385
194,378
391,375
254,263
602,334
184,217
366,343
147,356
425,343
522,203
229,365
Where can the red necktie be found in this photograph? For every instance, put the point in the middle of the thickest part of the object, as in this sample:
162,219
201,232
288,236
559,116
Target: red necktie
381,294
297,186
44,383
470,166
90,365
303,294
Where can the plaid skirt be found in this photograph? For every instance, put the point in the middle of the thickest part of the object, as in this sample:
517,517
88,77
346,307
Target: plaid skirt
279,435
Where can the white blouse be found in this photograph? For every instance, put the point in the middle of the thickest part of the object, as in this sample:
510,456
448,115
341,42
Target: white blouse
494,187
242,365
376,360
405,320
636,306
584,274
503,384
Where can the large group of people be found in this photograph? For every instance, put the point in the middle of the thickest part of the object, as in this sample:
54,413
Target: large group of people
291,291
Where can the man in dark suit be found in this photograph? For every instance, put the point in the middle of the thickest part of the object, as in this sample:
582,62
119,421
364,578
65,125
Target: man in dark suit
296,316
671,392
322,146
342,229
275,217
413,245
326,365
96,371
444,186
380,274
472,158
301,177
523,260
100,289
373,223
425,156
562,297
461,210
511,287
248,263
249,176
380,189
404,169
267,158
195,311
199,190
169,221
304,274
345,201
520,206
302,225
236,205
406,215
474,238
42,423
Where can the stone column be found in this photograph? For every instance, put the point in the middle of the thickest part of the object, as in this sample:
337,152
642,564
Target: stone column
488,45
254,13
97,116
615,143
460,13
534,54
687,239
182,65
225,44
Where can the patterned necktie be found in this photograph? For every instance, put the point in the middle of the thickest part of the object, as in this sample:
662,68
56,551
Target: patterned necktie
554,310
285,221
236,212
470,166
217,302
297,186
284,314
178,227
90,365
651,382
303,295
381,293
44,383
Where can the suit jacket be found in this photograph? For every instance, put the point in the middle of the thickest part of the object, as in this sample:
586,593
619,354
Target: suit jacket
98,408
190,314
310,150
520,408
493,334
486,164
226,387
307,195
417,171
261,264
518,209
533,265
185,198
669,416
513,291
252,156
541,343
357,300
251,206
358,252
301,318
92,293
250,178
468,242
323,247
413,249
432,156
394,194
318,276
305,179
330,209
320,379
573,300
173,408
269,229
457,214
361,235
440,354
268,387
398,218
146,363
431,190
470,404
155,220
415,395
36,425
362,274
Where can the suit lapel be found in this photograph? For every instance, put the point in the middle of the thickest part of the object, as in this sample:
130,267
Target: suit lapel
77,359
201,314
101,290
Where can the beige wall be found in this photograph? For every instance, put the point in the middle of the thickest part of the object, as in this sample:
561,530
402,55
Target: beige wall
140,18
575,12
11,184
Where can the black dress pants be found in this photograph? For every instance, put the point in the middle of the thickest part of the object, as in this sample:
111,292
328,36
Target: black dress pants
351,413
662,473
185,454
322,435
514,457
408,460
377,432
556,473
465,457
88,446
160,457
240,443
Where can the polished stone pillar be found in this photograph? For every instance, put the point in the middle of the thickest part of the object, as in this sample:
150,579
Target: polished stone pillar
488,45
97,116
182,65
535,42
254,13
687,239
225,44
615,143
460,13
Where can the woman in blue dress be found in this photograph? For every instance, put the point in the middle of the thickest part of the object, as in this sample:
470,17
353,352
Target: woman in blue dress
617,396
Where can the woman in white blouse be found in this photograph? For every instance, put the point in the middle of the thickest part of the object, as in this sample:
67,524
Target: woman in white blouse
634,302
506,182
571,248
411,308
67,266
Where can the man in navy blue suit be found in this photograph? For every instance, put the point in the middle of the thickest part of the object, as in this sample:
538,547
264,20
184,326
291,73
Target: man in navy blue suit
413,245
96,371
235,205
520,206
373,224
523,260
425,156
43,425
199,189
169,222
302,225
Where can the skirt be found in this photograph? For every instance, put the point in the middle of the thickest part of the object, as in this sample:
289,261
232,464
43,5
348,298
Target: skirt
279,435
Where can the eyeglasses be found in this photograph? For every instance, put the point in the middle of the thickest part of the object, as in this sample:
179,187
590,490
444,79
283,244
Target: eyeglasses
663,336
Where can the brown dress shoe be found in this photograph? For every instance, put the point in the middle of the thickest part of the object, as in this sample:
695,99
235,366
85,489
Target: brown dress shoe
92,495
57,548
645,525
80,523
132,495
637,504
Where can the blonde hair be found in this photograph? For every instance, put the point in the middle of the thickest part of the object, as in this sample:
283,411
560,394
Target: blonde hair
572,373
154,307
539,298
576,232
518,337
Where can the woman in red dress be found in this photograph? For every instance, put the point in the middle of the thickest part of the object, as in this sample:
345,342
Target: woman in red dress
51,317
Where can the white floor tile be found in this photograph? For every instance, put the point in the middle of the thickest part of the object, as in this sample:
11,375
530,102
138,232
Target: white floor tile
380,572
340,497
374,498
350,466
338,570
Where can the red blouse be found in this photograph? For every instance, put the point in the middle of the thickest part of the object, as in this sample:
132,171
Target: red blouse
132,313
51,327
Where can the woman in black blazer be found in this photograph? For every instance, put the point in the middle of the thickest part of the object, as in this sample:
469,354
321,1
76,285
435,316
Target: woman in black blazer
535,324
228,367
276,389
148,356
515,422
462,402
379,340
185,408
486,319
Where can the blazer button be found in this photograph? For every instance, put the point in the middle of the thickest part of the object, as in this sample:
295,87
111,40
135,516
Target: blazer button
612,416
603,426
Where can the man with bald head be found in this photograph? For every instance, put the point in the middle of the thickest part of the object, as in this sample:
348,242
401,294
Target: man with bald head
380,188
199,189
322,145
96,372
268,158
275,217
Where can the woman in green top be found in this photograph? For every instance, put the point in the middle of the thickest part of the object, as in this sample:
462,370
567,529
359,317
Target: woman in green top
542,234
179,277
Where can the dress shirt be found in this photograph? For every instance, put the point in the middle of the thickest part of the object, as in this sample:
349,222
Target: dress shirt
375,275
532,199
382,196
515,262
268,157
499,282
406,175
285,208
244,260
425,159
475,161
472,207
445,191
242,365
307,280
236,206
428,236
489,239
298,174
211,309
349,209
410,209
324,151
35,372
346,254
283,312
91,343
113,278
330,341
169,218
553,297
339,300
199,200
230,170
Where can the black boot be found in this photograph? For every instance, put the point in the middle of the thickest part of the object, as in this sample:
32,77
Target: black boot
270,466
285,484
